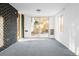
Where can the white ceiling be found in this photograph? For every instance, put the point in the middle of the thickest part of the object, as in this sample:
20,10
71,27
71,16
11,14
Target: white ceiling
47,9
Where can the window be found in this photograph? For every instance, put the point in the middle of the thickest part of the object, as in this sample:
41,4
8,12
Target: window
61,23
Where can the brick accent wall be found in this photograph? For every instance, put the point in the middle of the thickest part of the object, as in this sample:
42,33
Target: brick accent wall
10,30
8,25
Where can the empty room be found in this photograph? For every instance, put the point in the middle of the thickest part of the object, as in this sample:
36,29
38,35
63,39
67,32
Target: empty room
39,29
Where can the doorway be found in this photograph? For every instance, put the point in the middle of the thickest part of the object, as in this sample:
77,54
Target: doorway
39,27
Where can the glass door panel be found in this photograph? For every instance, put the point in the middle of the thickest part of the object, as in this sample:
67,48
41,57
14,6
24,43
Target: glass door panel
44,27
35,27
39,27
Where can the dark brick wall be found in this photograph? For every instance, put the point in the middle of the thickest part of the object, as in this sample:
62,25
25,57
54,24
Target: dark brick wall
9,13
10,30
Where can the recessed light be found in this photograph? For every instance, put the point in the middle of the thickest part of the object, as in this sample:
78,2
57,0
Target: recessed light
38,10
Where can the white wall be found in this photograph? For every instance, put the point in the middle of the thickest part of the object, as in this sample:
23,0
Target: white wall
27,26
70,36
51,25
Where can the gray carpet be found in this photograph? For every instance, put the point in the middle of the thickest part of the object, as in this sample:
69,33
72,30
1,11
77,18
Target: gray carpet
47,47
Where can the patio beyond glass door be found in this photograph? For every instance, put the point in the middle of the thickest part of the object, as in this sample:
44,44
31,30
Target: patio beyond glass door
39,27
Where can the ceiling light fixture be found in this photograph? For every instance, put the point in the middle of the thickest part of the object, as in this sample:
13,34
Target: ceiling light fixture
38,10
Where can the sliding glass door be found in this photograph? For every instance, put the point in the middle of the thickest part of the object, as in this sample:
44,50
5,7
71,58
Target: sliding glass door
39,27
